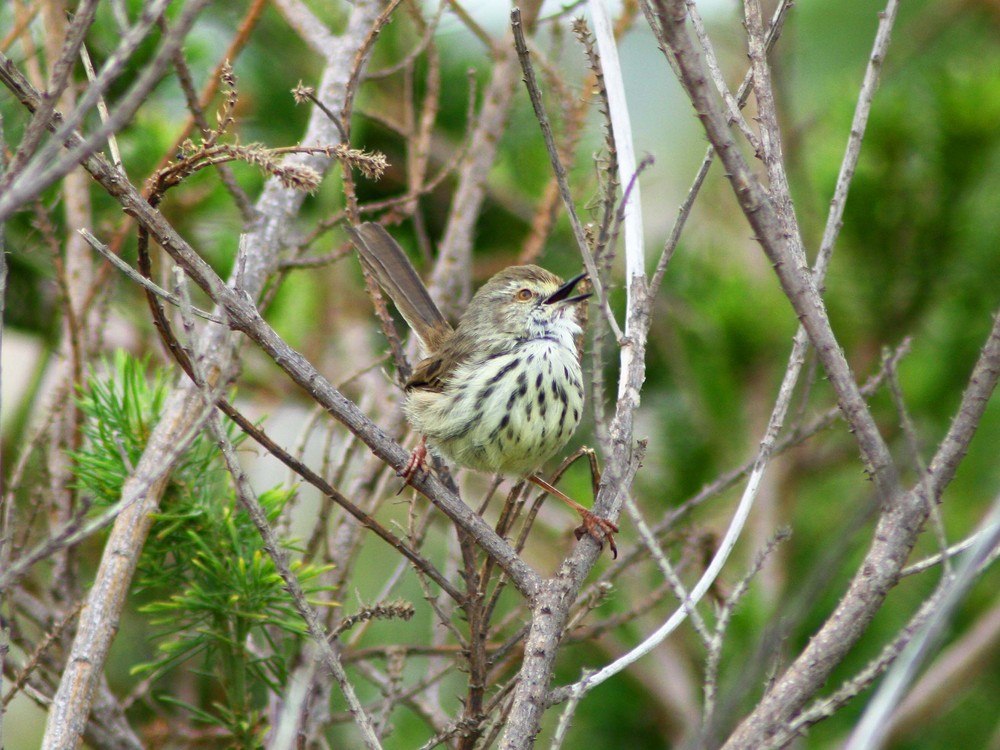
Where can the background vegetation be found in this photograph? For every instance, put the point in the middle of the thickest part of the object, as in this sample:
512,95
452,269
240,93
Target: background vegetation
210,649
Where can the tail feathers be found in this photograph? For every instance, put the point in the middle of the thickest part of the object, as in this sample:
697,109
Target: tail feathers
386,261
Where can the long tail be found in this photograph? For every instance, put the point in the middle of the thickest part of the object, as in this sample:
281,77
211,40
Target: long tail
388,264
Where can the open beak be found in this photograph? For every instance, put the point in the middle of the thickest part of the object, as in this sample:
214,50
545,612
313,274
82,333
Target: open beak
562,293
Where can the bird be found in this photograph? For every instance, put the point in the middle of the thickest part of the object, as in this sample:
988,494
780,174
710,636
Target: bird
502,392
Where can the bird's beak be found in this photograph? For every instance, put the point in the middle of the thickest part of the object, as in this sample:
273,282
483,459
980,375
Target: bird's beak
562,293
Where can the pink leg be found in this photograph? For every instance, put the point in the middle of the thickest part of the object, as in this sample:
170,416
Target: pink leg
415,464
596,527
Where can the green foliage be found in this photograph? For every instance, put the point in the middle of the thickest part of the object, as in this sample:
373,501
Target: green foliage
220,598
120,409
917,257
214,593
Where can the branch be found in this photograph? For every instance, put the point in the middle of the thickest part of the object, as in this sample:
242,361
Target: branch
276,207
48,164
781,249
141,280
320,638
870,731
534,93
449,284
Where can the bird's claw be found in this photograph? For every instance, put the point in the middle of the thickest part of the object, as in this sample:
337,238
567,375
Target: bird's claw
599,529
415,464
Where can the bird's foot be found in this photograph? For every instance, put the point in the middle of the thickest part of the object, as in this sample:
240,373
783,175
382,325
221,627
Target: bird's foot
594,526
599,529
415,464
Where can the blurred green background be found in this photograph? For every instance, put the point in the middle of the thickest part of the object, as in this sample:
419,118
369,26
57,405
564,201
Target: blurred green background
918,257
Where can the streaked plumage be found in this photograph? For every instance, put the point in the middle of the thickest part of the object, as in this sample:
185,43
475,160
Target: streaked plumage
503,391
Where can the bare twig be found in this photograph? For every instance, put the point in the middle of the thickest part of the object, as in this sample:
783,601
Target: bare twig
724,614
102,108
733,105
141,280
934,560
450,281
45,167
913,444
279,556
559,169
42,117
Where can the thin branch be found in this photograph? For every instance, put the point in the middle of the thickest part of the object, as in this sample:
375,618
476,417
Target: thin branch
934,560
49,165
859,124
913,445
629,168
683,212
271,544
102,107
42,117
141,280
770,137
733,104
725,613
666,570
535,94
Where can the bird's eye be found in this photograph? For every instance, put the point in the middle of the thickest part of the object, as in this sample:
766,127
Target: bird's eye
524,295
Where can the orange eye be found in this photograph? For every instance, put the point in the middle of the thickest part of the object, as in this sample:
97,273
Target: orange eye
524,295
